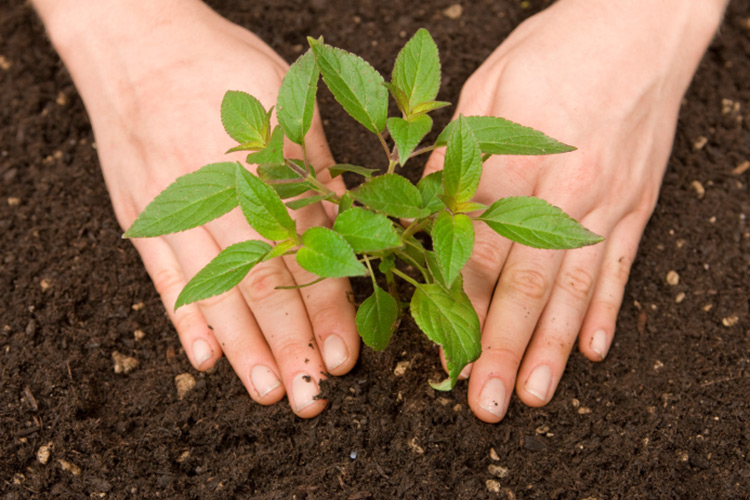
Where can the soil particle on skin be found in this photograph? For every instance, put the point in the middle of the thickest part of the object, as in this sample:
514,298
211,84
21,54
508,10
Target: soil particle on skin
665,416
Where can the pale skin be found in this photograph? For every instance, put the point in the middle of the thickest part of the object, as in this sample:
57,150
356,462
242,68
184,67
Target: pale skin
152,75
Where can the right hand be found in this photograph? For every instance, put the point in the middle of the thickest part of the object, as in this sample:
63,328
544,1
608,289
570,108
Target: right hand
153,86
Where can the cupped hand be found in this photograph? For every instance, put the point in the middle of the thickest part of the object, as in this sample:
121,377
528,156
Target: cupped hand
154,107
608,80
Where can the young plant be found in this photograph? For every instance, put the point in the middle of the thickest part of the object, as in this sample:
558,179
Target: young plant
367,238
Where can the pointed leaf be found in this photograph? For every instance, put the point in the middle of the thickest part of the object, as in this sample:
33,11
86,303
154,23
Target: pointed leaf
190,201
463,163
465,207
244,118
224,272
387,263
434,268
308,200
356,85
408,134
453,242
426,107
327,254
273,152
393,195
296,102
417,69
366,231
535,223
376,318
340,168
280,249
347,202
499,136
263,208
402,101
430,187
448,319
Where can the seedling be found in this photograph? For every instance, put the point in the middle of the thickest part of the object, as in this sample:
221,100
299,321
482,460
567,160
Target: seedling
367,238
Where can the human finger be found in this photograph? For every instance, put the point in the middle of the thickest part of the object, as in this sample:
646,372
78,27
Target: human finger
196,337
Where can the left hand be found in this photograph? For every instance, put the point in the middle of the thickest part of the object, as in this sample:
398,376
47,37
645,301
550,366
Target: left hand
607,79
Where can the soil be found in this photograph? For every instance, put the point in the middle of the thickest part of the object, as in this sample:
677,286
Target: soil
667,415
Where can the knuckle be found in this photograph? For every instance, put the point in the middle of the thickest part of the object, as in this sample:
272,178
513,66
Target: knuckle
168,281
524,282
578,282
261,282
487,257
620,270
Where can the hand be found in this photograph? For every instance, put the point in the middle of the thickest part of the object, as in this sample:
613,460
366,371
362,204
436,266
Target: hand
153,88
608,79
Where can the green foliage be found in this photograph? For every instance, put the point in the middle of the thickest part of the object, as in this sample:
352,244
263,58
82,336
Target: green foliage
439,214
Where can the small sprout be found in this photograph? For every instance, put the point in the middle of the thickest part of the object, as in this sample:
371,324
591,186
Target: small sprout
367,238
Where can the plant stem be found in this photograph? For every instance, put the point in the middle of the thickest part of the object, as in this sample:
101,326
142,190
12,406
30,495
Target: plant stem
391,166
413,228
315,183
405,277
423,150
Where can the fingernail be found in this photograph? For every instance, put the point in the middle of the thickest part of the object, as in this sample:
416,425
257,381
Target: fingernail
304,390
599,343
264,380
465,372
539,382
492,397
201,352
334,351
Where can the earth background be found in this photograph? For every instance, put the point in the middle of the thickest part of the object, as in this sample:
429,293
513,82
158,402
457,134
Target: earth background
667,415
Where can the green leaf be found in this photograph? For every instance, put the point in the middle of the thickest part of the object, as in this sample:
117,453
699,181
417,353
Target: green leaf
393,195
340,168
308,200
263,208
426,107
278,175
448,319
417,69
366,231
534,222
387,262
453,242
356,85
468,206
376,319
430,187
499,136
224,272
273,152
190,201
408,134
347,202
434,268
280,249
245,119
296,102
462,167
402,101
327,254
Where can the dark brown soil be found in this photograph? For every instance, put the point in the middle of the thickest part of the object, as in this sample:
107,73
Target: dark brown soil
667,415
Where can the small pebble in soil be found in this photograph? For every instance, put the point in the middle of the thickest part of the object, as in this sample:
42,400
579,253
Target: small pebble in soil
401,368
700,191
5,64
139,335
730,321
123,364
584,410
497,470
138,306
493,455
680,297
658,365
673,278
492,486
14,201
183,456
728,105
44,285
185,382
699,143
61,99
69,467
708,307
43,453
413,446
454,11
353,454
741,168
